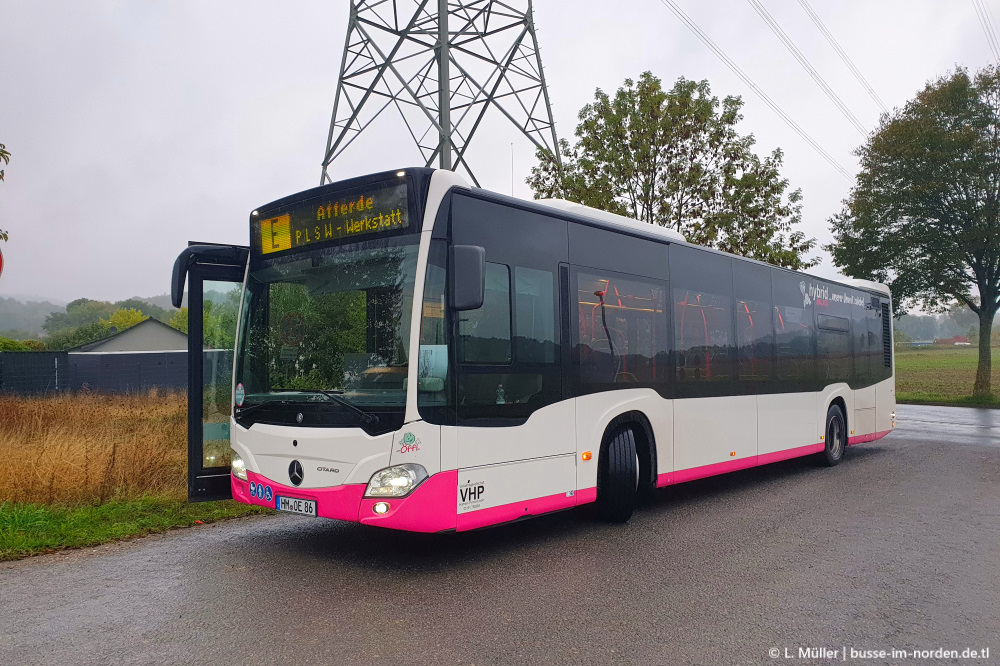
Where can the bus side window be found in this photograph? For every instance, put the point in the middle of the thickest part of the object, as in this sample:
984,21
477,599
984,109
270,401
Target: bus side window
435,385
795,331
484,334
754,325
621,331
704,331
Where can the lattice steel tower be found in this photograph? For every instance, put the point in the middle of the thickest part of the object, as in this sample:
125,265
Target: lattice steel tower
442,64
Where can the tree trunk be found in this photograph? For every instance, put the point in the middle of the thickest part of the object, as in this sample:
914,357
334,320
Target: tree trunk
985,369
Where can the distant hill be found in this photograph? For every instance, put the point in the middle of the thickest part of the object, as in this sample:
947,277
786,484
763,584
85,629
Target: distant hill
163,300
26,317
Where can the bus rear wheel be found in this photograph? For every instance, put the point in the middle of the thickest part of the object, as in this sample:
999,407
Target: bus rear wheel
618,476
836,437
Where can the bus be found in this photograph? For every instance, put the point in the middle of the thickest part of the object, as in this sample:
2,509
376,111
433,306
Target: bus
410,352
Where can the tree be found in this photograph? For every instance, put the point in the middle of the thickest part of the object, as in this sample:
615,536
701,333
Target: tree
675,159
5,158
81,335
125,318
79,312
180,320
923,215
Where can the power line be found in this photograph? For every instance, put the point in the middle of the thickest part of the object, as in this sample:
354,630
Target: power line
806,65
728,62
843,56
984,20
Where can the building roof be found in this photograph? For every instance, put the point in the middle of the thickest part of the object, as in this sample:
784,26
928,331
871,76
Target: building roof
148,335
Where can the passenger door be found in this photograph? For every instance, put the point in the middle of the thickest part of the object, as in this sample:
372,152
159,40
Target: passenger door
517,437
214,278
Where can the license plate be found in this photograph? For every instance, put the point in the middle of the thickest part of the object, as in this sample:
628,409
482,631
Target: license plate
303,507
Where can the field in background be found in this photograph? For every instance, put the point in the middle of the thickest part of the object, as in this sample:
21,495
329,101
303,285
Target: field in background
945,375
79,469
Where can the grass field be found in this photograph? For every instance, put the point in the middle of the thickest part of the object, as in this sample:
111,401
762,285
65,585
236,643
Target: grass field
942,375
83,469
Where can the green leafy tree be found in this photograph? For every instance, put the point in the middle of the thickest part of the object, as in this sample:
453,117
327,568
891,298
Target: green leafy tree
923,215
150,309
81,335
125,318
5,158
674,158
180,320
8,345
79,312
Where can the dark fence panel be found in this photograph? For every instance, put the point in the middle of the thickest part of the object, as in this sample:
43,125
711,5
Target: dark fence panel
34,372
107,372
129,372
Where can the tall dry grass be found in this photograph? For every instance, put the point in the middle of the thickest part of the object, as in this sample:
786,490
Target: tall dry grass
88,448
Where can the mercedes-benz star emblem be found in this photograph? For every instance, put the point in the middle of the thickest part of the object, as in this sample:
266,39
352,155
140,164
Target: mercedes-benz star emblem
295,473
298,417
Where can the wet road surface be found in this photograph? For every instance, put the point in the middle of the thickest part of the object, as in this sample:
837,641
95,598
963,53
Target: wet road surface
895,548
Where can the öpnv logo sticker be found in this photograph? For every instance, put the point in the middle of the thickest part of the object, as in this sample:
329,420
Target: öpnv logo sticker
410,443
240,395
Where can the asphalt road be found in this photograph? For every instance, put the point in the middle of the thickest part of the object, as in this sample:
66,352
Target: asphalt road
895,548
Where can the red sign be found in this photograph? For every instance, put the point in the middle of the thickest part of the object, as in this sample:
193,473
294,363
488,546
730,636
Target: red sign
1,263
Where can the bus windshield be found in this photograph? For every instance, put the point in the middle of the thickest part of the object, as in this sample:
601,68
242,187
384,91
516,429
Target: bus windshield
332,320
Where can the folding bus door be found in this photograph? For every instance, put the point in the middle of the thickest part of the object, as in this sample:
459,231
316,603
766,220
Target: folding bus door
517,440
214,277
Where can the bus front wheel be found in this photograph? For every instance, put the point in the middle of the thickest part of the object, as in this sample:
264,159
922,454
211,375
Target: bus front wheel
618,476
836,436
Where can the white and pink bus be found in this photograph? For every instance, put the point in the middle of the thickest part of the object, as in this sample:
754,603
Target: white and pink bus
415,353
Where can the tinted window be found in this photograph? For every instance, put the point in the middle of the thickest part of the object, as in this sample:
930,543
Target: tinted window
794,331
434,385
590,246
704,344
485,333
509,354
833,305
861,340
620,330
754,325
503,387
535,316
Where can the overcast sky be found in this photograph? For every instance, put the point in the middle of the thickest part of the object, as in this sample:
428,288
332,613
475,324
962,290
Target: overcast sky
137,126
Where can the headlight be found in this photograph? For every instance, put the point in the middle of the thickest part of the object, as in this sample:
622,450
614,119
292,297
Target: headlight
396,481
239,467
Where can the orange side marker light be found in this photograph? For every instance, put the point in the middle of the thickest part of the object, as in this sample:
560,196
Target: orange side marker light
587,455
732,453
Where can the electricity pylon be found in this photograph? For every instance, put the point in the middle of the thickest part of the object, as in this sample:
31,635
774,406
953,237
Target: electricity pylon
442,64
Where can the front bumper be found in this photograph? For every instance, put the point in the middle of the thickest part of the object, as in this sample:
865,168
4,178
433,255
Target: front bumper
431,507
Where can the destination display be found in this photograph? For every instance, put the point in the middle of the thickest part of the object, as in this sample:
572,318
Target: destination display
352,213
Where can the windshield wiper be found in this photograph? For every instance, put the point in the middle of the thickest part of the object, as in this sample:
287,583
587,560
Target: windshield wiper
367,417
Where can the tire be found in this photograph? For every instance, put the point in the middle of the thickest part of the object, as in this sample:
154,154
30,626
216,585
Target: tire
618,476
836,437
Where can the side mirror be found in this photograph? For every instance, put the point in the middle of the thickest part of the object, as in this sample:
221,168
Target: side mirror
468,277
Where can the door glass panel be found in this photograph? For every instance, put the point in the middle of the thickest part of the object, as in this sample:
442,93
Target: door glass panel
220,310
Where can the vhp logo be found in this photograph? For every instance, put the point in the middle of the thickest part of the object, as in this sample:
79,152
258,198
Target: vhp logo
471,493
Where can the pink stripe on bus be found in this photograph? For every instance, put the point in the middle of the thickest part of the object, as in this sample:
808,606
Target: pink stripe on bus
867,438
586,495
430,508
692,473
787,454
513,511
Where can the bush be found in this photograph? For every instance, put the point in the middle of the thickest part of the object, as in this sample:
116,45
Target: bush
6,344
